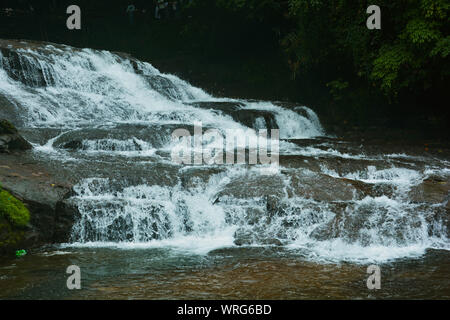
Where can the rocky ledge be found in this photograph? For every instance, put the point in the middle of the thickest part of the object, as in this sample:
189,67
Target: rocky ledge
43,194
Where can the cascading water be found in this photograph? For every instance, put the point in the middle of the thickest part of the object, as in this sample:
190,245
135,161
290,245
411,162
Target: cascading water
109,118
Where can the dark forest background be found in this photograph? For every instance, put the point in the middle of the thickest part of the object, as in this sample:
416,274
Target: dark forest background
314,52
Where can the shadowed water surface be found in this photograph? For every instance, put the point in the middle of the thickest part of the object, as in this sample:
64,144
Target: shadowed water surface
233,273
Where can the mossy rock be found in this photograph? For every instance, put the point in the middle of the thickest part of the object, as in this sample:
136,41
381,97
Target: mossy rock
10,237
7,127
13,210
14,217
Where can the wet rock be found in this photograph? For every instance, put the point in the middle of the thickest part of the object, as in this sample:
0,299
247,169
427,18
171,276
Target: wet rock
48,224
10,139
245,237
332,229
251,186
9,112
434,189
254,215
325,188
222,106
11,238
73,145
272,204
373,222
341,166
51,219
438,221
66,213
24,67
164,86
248,117
154,135
120,230
195,177
13,142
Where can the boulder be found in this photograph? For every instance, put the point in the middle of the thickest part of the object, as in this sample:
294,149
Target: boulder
45,195
10,139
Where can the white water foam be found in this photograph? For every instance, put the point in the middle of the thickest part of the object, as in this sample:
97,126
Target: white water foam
87,86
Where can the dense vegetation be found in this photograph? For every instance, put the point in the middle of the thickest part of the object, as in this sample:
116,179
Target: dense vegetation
317,52
410,51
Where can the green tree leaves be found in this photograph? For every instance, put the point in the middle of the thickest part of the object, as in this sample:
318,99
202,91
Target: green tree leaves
403,56
419,31
388,65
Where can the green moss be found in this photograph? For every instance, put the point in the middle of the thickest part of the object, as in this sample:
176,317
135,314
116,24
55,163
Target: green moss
13,210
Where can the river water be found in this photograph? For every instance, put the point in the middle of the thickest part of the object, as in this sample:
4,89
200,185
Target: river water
305,227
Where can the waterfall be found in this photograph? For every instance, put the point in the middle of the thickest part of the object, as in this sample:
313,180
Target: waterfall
111,118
